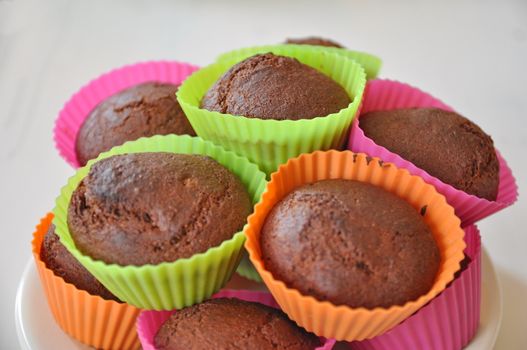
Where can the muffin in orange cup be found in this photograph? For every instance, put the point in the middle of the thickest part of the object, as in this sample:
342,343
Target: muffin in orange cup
339,320
90,319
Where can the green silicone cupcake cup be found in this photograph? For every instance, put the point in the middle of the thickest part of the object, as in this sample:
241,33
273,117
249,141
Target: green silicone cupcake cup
270,143
371,63
247,269
169,285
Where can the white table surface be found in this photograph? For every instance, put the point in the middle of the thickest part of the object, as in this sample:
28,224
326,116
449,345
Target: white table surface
472,54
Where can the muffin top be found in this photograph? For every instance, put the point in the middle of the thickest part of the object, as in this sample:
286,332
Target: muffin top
143,110
313,40
58,259
147,208
444,144
232,324
275,87
350,243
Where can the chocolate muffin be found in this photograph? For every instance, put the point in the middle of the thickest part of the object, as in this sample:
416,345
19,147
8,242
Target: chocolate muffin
313,40
463,266
444,144
57,258
232,324
350,243
147,208
275,87
143,110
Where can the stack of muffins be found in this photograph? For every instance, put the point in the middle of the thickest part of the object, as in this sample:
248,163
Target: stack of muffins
351,199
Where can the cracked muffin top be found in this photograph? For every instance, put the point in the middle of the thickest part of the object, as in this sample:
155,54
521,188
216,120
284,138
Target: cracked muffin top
444,144
314,40
58,259
350,243
143,110
147,208
227,324
267,86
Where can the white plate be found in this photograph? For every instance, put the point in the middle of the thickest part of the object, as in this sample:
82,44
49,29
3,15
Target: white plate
37,330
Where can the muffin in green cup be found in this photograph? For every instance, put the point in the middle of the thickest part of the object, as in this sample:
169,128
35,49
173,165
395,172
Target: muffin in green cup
371,63
172,284
270,142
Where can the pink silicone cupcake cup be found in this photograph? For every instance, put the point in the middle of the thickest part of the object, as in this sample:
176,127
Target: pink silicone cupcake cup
148,322
77,109
449,321
387,95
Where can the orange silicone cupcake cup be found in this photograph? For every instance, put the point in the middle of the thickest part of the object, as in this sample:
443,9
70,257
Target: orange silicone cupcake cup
92,320
343,322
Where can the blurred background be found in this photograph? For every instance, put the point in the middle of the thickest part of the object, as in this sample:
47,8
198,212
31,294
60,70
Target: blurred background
471,54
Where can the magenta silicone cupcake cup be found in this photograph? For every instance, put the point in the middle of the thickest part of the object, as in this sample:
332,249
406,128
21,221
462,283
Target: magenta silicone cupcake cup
149,322
449,321
388,95
79,106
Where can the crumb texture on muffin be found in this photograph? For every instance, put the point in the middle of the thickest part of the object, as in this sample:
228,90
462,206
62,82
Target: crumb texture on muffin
143,110
444,144
314,40
267,86
58,259
350,243
147,208
227,324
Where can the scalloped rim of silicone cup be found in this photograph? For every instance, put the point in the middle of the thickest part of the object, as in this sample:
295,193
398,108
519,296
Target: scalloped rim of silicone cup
266,274
437,103
86,95
218,68
371,68
474,255
229,293
47,221
73,181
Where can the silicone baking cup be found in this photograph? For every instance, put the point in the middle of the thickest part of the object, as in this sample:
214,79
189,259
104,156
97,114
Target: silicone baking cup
269,143
92,320
342,322
449,321
388,95
169,285
247,270
77,109
149,322
371,63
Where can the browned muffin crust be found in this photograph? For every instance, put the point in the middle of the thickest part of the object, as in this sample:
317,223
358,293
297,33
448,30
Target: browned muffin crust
57,258
275,87
350,243
143,110
444,144
314,40
147,208
232,324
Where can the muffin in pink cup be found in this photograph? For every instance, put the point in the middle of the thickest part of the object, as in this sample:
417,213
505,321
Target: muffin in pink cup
450,321
150,322
389,113
122,105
